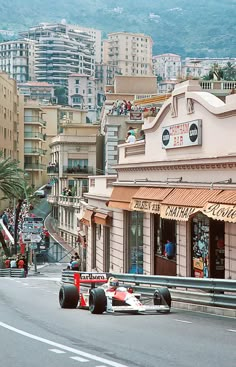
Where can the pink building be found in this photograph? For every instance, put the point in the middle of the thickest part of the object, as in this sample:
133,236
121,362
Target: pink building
177,185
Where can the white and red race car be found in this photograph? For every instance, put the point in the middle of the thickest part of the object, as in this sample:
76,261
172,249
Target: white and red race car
102,297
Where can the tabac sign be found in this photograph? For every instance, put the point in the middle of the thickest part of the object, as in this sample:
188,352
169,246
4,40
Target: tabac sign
182,135
148,206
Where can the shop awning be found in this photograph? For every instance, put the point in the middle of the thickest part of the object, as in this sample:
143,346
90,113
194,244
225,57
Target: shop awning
121,197
147,199
181,203
222,207
87,217
103,219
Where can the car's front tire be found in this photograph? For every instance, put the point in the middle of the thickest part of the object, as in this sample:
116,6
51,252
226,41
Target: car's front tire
97,301
162,296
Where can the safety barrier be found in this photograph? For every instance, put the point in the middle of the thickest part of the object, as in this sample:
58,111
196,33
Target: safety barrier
200,291
13,273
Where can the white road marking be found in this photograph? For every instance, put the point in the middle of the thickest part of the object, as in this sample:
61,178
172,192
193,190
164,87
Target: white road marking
79,359
232,331
61,346
184,321
56,351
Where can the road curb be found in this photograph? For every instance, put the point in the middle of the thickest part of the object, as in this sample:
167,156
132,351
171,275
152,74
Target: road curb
218,311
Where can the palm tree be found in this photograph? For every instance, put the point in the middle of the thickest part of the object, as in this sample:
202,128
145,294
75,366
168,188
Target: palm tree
11,186
216,72
229,72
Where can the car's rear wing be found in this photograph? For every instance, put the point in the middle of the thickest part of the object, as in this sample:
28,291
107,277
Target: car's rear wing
91,278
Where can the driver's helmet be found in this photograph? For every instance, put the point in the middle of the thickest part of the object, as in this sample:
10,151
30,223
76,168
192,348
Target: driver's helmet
113,282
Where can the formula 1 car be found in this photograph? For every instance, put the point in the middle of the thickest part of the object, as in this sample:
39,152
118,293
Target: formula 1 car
107,298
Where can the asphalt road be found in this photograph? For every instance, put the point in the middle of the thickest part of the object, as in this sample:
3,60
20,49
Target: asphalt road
36,332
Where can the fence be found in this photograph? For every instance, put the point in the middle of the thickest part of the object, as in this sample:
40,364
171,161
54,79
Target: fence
13,273
209,292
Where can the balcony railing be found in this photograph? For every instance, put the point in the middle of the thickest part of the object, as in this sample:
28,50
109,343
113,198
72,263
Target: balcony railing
32,135
77,170
72,201
35,166
37,151
52,169
34,119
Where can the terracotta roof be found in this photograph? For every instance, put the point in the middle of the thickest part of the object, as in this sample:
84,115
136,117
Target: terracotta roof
191,197
152,193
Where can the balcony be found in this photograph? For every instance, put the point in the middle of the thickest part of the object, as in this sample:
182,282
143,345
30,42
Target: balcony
52,199
34,167
69,201
77,170
34,136
52,169
34,120
34,151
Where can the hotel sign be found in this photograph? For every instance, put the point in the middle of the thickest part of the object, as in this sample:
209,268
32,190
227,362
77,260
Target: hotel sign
221,212
182,135
181,213
148,206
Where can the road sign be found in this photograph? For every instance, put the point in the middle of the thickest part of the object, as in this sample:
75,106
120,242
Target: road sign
33,246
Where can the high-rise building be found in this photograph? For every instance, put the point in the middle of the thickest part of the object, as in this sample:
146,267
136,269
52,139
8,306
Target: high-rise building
130,52
17,58
61,50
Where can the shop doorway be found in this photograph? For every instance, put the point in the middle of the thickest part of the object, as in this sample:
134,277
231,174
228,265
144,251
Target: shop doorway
135,242
164,230
208,249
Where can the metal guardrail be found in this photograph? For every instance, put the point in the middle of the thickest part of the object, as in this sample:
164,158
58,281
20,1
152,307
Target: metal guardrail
13,273
201,291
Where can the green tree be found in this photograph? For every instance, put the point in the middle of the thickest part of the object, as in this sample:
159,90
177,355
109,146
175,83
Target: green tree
229,71
11,186
61,94
216,72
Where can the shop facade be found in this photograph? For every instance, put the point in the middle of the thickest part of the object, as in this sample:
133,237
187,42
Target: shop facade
178,187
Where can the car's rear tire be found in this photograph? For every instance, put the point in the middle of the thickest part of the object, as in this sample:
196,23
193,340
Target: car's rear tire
162,296
97,301
68,296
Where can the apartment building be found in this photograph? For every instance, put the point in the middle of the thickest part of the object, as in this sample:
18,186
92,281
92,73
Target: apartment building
167,66
61,50
42,92
82,93
130,52
17,58
199,67
11,122
34,144
76,153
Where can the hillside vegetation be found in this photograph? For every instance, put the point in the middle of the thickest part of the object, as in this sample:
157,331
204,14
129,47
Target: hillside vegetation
203,28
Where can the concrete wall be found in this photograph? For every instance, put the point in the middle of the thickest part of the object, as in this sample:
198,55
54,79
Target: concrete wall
136,84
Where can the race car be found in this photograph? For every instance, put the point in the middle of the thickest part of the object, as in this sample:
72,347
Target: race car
107,295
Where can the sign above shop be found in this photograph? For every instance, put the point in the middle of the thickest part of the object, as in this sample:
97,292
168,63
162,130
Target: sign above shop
182,135
148,206
181,213
221,212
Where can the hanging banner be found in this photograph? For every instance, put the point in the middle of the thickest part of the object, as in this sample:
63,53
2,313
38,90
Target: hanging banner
223,212
148,206
174,212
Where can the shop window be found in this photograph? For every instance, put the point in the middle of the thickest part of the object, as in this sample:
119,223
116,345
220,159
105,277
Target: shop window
200,246
135,242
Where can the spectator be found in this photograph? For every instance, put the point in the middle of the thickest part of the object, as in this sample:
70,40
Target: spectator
7,263
13,263
170,250
131,130
130,138
141,135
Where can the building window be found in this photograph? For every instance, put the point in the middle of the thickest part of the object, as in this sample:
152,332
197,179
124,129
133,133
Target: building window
77,81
